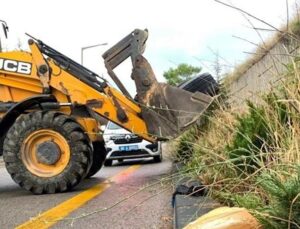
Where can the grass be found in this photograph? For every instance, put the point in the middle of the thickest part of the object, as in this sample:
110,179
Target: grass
252,160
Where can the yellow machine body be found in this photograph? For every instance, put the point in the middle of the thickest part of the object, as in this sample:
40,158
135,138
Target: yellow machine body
51,109
16,87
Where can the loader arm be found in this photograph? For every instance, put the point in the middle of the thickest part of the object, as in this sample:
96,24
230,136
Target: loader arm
158,112
50,108
83,87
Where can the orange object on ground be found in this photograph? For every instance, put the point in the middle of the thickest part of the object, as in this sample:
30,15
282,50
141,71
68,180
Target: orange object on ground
225,218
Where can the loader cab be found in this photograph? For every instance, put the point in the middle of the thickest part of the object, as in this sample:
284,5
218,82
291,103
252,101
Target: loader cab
5,31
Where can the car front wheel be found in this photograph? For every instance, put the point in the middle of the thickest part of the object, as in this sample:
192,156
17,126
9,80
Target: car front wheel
158,158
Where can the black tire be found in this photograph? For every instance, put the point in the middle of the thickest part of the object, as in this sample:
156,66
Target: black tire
1,142
1,145
80,152
204,83
108,162
157,159
99,155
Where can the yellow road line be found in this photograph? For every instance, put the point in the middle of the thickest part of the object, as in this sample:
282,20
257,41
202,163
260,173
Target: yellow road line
53,215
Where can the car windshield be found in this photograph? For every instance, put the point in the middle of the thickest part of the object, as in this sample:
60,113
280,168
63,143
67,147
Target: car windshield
113,126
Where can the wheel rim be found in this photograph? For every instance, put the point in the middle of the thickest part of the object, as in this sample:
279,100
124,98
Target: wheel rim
45,153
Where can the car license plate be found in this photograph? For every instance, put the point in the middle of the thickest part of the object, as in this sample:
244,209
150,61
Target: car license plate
128,148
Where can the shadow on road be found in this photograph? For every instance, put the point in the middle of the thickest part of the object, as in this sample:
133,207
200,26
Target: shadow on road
129,162
13,190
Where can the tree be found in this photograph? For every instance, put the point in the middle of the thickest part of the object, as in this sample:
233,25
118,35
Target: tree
181,73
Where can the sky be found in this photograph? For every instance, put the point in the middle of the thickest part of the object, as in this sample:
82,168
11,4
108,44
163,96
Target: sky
190,31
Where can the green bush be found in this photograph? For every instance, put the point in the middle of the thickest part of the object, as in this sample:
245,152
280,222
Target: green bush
251,135
280,206
255,133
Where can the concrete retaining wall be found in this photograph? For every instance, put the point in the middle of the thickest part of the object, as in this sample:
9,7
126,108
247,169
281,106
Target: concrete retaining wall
265,73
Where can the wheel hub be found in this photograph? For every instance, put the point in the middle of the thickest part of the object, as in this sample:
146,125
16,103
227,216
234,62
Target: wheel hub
48,153
45,153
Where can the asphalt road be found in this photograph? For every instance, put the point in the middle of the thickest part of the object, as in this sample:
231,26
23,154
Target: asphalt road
132,195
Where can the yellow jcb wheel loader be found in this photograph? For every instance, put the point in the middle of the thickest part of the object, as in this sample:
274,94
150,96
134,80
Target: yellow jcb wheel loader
51,109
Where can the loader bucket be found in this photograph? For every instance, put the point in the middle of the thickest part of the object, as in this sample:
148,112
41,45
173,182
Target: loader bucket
167,110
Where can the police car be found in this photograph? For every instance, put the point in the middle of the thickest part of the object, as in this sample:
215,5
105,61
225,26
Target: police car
121,144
